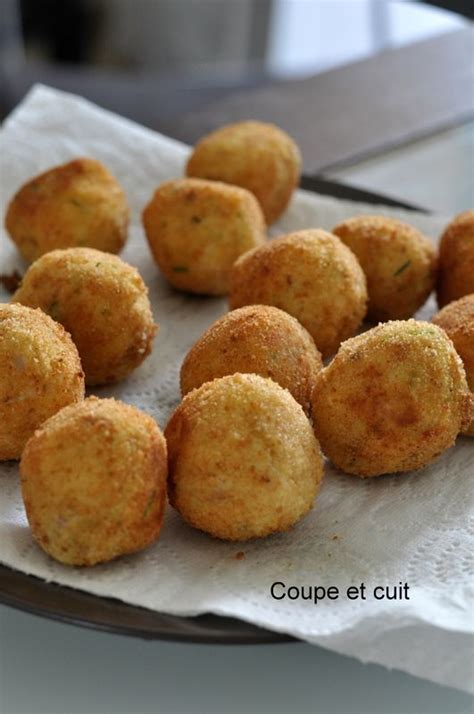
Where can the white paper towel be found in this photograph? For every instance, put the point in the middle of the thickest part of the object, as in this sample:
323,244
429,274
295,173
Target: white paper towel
415,528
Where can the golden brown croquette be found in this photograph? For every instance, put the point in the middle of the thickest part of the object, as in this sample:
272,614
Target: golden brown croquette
40,373
243,461
259,339
456,259
102,301
311,275
76,204
257,156
457,320
197,229
392,399
399,263
93,479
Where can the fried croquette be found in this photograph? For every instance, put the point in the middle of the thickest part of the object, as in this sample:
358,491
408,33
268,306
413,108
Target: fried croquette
311,275
93,479
76,204
399,263
456,259
457,320
102,301
40,373
243,460
393,399
197,229
257,156
259,339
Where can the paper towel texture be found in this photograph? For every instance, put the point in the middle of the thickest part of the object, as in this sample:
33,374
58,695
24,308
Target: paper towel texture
415,528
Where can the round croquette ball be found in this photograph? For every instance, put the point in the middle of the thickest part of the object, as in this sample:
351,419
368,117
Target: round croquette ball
257,156
456,259
93,479
243,460
40,373
76,204
311,275
399,263
101,300
392,399
197,229
259,339
457,320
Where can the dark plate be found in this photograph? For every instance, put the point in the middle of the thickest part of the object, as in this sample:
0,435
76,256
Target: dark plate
57,602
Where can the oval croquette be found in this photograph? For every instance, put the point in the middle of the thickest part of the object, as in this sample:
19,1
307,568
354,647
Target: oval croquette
311,275
259,339
197,229
399,263
257,156
243,460
392,399
102,301
457,320
40,373
456,259
76,204
93,480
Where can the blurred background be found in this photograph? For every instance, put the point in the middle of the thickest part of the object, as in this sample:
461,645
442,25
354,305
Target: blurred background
347,78
153,59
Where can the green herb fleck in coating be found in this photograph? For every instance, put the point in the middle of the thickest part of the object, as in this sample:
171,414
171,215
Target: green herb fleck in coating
402,268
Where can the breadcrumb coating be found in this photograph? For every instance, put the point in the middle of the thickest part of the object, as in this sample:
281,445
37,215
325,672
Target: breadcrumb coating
93,480
399,263
311,275
393,399
243,460
457,320
456,259
257,339
196,230
40,372
102,301
78,203
257,156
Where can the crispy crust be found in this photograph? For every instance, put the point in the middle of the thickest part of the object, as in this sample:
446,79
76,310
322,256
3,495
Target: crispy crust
399,263
243,461
93,479
456,259
102,301
40,372
393,399
457,320
196,230
257,156
78,203
311,275
259,339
